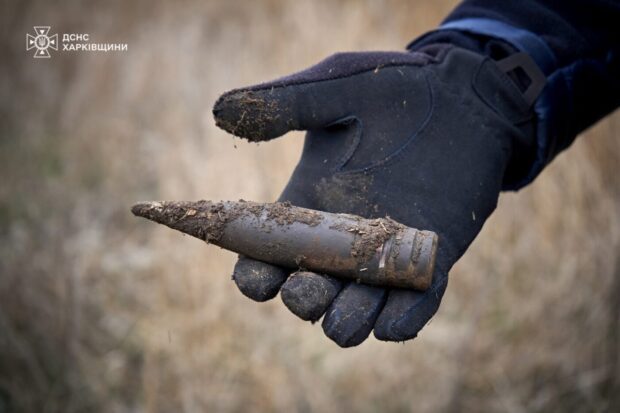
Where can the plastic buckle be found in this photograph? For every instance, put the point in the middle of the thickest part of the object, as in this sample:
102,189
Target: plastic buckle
531,69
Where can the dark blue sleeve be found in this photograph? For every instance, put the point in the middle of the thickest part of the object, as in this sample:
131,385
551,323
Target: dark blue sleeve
575,42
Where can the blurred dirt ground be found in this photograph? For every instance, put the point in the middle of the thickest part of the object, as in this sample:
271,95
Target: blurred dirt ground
103,312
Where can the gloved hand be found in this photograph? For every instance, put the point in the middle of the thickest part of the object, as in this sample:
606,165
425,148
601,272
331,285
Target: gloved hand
428,139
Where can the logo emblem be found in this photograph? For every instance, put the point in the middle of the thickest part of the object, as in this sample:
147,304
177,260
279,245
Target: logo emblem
41,42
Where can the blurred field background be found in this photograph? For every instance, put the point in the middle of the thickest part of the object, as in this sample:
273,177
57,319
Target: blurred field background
100,311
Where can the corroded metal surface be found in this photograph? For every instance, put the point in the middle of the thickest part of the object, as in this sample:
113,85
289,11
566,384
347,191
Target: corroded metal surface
373,251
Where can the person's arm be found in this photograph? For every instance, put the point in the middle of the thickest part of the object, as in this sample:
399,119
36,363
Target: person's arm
428,137
575,42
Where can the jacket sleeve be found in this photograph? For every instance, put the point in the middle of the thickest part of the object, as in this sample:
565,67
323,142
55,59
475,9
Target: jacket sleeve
576,43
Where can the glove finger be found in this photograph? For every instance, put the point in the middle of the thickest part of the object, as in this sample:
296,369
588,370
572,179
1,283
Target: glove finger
406,312
308,294
258,280
351,316
260,114
310,99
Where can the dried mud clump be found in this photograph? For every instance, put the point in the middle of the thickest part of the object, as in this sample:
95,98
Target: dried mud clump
284,213
247,114
371,234
203,219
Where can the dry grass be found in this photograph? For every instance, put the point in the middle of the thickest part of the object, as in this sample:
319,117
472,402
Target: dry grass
102,312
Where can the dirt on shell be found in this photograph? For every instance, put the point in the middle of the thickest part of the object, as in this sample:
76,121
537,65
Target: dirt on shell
284,213
371,235
207,220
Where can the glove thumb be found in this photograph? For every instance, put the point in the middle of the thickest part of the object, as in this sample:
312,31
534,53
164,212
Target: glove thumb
310,99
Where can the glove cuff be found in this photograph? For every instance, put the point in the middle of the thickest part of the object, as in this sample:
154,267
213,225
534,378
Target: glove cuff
501,41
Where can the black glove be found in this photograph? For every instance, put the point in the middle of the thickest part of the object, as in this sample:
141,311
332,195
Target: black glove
428,139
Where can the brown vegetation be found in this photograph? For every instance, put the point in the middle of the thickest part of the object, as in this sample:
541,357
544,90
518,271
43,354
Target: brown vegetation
101,312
